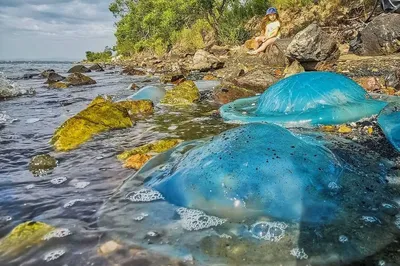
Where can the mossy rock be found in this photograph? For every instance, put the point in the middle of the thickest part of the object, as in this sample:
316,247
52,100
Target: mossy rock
96,118
100,99
183,94
59,85
22,237
142,107
79,69
78,79
137,161
43,162
151,148
171,77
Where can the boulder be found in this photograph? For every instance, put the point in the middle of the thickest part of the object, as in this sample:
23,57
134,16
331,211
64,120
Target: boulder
227,92
219,50
23,237
183,94
79,69
78,79
171,77
274,57
257,80
59,85
393,79
204,61
45,74
131,71
313,45
42,163
142,107
380,37
96,67
101,115
294,68
54,77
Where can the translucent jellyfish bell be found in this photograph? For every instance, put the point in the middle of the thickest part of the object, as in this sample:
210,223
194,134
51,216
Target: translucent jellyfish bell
250,171
390,125
310,98
152,93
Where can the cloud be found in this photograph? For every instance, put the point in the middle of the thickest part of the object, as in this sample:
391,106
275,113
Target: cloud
85,21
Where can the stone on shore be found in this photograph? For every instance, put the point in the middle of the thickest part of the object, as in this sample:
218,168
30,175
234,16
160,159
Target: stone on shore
294,68
45,74
101,115
172,77
132,71
311,46
227,92
203,61
183,94
380,37
79,69
257,80
42,163
78,79
274,57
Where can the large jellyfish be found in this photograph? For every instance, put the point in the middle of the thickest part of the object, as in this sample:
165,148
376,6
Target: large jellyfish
261,195
152,93
310,98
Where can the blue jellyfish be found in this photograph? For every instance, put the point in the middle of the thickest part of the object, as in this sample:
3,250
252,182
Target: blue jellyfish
311,98
152,93
390,125
250,171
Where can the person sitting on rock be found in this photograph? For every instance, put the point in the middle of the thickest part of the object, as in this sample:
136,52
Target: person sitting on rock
272,31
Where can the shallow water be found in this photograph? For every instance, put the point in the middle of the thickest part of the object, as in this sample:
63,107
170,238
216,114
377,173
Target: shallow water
80,193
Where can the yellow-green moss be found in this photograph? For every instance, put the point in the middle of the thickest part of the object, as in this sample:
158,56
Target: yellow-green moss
59,85
183,94
23,236
154,147
93,120
137,107
100,99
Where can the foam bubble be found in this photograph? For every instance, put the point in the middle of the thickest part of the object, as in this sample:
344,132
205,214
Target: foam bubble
53,255
193,220
333,186
29,186
57,233
72,202
397,222
269,231
144,195
58,180
343,239
81,185
5,218
299,253
140,217
370,219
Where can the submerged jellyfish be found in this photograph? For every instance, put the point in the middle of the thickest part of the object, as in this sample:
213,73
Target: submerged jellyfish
310,98
152,93
254,170
390,125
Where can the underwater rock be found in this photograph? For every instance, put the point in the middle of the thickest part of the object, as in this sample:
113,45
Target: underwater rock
96,67
59,85
152,93
379,37
239,173
109,247
79,69
22,237
41,163
227,92
183,94
306,99
78,79
96,118
390,125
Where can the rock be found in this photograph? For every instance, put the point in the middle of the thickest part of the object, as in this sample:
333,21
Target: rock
393,79
171,77
137,161
345,129
257,80
96,67
97,117
204,61
41,163
23,237
142,107
313,45
183,94
327,128
109,247
129,70
370,84
227,92
210,77
294,68
54,77
151,148
30,75
274,57
79,69
133,87
219,50
78,79
251,44
45,74
380,37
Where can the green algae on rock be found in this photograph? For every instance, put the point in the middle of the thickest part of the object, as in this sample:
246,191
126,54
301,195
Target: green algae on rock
22,237
183,94
78,79
59,85
154,147
40,163
101,115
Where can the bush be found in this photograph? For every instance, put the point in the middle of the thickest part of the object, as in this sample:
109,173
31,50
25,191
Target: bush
104,56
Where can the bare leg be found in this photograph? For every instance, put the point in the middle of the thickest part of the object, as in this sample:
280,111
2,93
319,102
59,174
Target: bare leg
265,45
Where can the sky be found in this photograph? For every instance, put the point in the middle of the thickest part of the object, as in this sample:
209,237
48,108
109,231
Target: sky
54,29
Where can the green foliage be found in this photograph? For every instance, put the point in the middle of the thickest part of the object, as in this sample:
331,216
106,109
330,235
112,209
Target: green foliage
291,3
104,56
191,39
